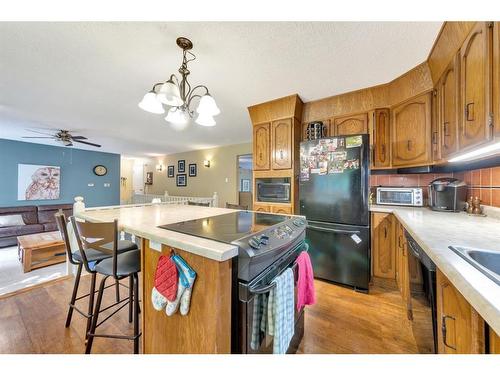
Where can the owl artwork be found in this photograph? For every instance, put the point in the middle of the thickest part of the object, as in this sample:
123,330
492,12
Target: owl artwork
44,184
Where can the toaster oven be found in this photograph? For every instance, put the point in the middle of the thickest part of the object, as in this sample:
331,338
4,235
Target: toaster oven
400,196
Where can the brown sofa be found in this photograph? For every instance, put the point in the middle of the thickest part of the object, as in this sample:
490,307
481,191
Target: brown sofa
37,219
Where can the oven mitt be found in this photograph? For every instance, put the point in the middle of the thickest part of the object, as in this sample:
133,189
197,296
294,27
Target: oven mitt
187,277
165,282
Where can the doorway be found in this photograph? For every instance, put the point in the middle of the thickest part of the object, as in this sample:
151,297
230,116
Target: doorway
245,185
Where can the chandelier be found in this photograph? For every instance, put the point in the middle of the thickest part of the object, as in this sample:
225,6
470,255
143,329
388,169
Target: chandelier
178,96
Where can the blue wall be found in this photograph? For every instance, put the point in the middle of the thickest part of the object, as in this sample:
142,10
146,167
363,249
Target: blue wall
76,173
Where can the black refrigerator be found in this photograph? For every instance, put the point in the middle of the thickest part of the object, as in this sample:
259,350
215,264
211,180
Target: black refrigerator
333,194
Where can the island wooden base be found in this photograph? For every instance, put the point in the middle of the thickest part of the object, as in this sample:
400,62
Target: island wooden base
207,327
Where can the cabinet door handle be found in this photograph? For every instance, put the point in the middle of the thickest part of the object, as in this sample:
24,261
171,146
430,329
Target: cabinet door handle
469,115
408,144
385,232
434,138
281,154
443,330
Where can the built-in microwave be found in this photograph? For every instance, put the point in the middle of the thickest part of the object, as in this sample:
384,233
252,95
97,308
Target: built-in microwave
273,191
411,196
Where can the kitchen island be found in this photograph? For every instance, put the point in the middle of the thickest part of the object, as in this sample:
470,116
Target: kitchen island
207,326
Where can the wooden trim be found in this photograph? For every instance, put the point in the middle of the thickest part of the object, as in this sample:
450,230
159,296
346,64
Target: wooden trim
29,288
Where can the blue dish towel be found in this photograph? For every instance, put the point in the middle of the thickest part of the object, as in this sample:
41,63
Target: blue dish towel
280,309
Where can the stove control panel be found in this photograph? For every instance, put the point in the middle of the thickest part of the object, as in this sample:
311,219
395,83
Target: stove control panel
277,235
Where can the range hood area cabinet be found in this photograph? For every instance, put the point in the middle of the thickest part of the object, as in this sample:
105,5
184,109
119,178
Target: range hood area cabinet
277,133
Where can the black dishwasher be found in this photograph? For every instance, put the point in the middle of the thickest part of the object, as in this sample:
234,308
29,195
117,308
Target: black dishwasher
429,279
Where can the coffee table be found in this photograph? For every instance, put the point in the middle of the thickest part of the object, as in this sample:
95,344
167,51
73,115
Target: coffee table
41,250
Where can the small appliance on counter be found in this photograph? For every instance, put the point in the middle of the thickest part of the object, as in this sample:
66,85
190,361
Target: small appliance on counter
400,196
447,194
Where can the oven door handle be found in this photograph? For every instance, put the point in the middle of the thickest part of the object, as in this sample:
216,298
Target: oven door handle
272,285
341,231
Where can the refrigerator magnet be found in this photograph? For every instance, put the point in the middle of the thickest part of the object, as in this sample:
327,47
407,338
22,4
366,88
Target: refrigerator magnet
355,141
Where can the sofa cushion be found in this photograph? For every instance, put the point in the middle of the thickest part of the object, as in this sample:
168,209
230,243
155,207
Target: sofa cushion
21,230
29,213
11,220
50,227
46,213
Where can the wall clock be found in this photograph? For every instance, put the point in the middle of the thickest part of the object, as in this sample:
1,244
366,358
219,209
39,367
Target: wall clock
100,170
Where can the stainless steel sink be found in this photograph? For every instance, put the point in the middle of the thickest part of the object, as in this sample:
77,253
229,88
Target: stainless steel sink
486,261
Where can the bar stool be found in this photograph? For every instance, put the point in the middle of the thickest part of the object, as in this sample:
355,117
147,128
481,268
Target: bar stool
103,237
94,257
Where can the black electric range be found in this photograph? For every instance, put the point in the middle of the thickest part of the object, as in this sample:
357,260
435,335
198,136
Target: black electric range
262,238
268,244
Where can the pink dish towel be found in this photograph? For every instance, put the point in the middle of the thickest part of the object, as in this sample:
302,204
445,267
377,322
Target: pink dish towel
305,283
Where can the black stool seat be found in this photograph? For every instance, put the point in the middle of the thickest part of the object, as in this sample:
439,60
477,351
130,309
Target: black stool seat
96,255
127,264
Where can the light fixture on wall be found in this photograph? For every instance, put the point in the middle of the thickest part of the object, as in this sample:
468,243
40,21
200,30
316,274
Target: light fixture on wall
178,95
206,163
479,153
159,168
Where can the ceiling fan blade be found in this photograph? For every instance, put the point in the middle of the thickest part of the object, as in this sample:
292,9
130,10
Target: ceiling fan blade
78,137
36,131
87,143
37,137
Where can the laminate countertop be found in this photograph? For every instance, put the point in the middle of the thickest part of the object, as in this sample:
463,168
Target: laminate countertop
435,231
143,221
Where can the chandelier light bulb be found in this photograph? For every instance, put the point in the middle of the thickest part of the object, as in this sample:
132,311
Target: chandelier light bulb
170,95
149,103
207,106
205,120
177,116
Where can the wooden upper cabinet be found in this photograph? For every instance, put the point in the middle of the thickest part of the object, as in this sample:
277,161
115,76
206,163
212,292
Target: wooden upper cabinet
460,328
496,77
381,138
281,144
411,132
448,115
475,77
261,147
352,124
383,249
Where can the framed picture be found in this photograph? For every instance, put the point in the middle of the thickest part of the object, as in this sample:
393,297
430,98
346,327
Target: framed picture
170,171
36,182
181,180
192,170
245,185
149,178
181,166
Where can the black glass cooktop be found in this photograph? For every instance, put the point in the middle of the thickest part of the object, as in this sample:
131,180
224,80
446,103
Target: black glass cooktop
228,227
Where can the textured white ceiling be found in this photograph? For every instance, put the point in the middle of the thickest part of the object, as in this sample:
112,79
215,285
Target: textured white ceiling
89,77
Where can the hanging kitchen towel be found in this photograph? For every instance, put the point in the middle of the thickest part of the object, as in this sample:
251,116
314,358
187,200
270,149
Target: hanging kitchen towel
281,312
258,320
305,284
165,282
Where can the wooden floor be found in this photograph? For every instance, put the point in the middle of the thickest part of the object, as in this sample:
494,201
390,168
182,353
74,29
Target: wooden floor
342,321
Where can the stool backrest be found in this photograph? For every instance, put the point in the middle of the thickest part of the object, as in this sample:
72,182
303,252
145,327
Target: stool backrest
61,225
97,236
236,206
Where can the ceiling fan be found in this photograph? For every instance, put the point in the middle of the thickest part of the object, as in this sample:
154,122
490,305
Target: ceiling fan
64,137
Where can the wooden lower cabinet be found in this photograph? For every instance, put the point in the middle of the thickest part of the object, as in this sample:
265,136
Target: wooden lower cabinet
460,328
383,249
402,268
274,208
261,207
494,346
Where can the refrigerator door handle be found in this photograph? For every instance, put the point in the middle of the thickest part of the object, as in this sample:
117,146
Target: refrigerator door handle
341,231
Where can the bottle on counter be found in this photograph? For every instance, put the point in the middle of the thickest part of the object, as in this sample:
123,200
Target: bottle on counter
476,204
470,208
